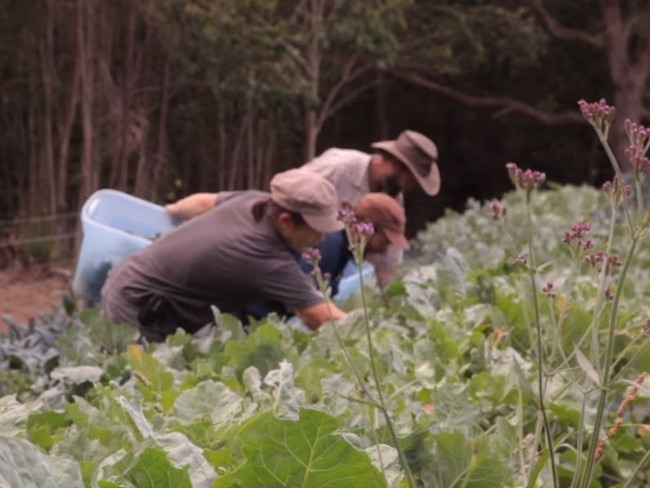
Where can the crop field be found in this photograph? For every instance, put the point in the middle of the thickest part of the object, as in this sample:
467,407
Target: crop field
482,366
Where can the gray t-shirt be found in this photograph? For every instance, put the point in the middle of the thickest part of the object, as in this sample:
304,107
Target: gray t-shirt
223,258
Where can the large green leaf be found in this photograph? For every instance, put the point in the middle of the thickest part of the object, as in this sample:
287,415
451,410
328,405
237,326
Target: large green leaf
462,462
23,465
306,453
151,469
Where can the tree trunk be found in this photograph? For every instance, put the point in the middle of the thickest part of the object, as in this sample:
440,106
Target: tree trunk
628,55
48,74
160,160
314,59
85,53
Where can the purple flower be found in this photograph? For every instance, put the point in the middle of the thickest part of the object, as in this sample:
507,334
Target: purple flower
640,163
498,210
638,135
528,180
362,229
548,290
646,326
616,191
521,259
312,256
609,294
598,114
346,214
576,237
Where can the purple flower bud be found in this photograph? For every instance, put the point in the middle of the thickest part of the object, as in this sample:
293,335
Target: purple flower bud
646,326
638,135
598,114
498,210
527,180
521,259
312,256
346,215
548,290
616,191
640,163
609,294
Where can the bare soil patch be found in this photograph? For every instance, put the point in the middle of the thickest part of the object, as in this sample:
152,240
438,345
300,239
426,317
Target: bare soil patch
27,293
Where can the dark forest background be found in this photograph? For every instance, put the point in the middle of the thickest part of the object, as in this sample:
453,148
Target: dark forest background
160,98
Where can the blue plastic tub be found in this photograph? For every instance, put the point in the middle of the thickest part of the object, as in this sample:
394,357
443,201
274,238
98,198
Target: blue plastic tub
351,281
114,225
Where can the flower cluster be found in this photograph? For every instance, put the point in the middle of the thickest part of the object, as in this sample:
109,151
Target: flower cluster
498,210
638,135
312,256
576,237
346,214
598,114
528,180
640,162
521,259
547,290
646,326
358,232
617,191
603,261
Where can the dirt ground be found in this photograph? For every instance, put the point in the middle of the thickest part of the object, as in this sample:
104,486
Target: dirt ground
26,293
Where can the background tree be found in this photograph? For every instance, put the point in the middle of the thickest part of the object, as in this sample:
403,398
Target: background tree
160,99
606,43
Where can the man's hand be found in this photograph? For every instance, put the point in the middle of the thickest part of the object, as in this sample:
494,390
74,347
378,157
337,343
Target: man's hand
192,205
317,315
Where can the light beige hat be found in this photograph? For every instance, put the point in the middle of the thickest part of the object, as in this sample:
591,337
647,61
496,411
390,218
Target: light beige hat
310,195
419,154
386,215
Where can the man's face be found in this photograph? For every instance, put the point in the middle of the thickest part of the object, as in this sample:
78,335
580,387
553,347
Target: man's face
395,178
377,243
299,236
405,179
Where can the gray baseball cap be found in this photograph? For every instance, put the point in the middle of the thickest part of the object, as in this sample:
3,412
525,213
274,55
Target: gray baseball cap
310,195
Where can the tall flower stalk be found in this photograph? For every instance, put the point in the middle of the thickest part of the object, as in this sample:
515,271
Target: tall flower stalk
358,233
600,116
528,181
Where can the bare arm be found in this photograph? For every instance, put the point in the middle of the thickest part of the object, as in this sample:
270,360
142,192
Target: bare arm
192,205
317,315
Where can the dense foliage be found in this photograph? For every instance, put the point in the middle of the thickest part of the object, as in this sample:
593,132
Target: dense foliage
454,346
162,98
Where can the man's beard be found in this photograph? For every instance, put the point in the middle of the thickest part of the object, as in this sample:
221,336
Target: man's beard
390,186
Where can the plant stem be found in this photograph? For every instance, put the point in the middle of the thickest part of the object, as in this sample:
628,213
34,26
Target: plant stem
607,365
540,348
619,174
375,376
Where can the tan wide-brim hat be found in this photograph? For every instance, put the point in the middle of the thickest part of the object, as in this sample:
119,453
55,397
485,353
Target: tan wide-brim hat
386,215
310,195
419,154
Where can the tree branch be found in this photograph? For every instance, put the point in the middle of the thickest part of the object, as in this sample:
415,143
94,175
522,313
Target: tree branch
562,32
346,99
504,103
349,74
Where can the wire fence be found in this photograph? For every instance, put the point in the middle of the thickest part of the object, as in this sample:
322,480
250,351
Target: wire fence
41,239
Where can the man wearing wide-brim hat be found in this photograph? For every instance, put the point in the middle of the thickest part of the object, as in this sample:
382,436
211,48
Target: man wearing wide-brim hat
395,166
